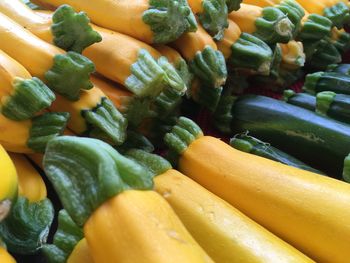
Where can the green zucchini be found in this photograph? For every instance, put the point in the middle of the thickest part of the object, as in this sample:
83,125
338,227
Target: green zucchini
302,100
339,68
327,81
346,170
319,141
26,229
249,144
233,5
335,106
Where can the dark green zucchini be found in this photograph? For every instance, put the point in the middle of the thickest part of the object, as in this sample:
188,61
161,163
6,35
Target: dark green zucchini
346,170
249,144
319,141
327,81
339,68
302,100
335,106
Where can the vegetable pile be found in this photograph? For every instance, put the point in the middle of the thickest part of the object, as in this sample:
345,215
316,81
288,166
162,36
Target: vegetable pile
99,163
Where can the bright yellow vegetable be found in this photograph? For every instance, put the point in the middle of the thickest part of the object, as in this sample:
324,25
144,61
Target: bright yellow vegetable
5,257
80,253
65,73
31,184
8,185
116,196
149,21
21,96
307,210
225,233
170,240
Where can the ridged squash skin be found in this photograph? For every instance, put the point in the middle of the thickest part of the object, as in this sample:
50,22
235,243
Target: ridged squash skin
139,226
5,257
8,183
225,233
80,253
31,184
191,43
21,45
307,210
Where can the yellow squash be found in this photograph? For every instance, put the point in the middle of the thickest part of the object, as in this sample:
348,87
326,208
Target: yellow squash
293,56
307,210
170,240
31,184
5,257
8,183
80,253
225,233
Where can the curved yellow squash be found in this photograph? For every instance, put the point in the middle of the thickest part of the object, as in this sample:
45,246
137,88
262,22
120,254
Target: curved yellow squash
231,35
140,226
31,184
5,257
307,210
8,183
225,233
246,16
190,43
80,253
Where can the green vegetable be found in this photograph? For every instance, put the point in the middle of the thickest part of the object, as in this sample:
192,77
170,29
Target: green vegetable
302,100
69,74
27,227
30,96
316,27
91,170
105,122
327,81
249,52
65,239
314,139
339,68
72,31
336,106
249,144
210,66
346,171
214,17
45,127
169,19
233,5
338,14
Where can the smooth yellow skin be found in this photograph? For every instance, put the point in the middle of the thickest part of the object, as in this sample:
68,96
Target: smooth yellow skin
191,43
15,134
196,6
26,17
122,16
80,253
315,6
115,54
231,35
88,100
31,184
140,226
8,182
10,69
291,52
171,54
5,257
33,53
262,3
306,210
226,234
246,16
